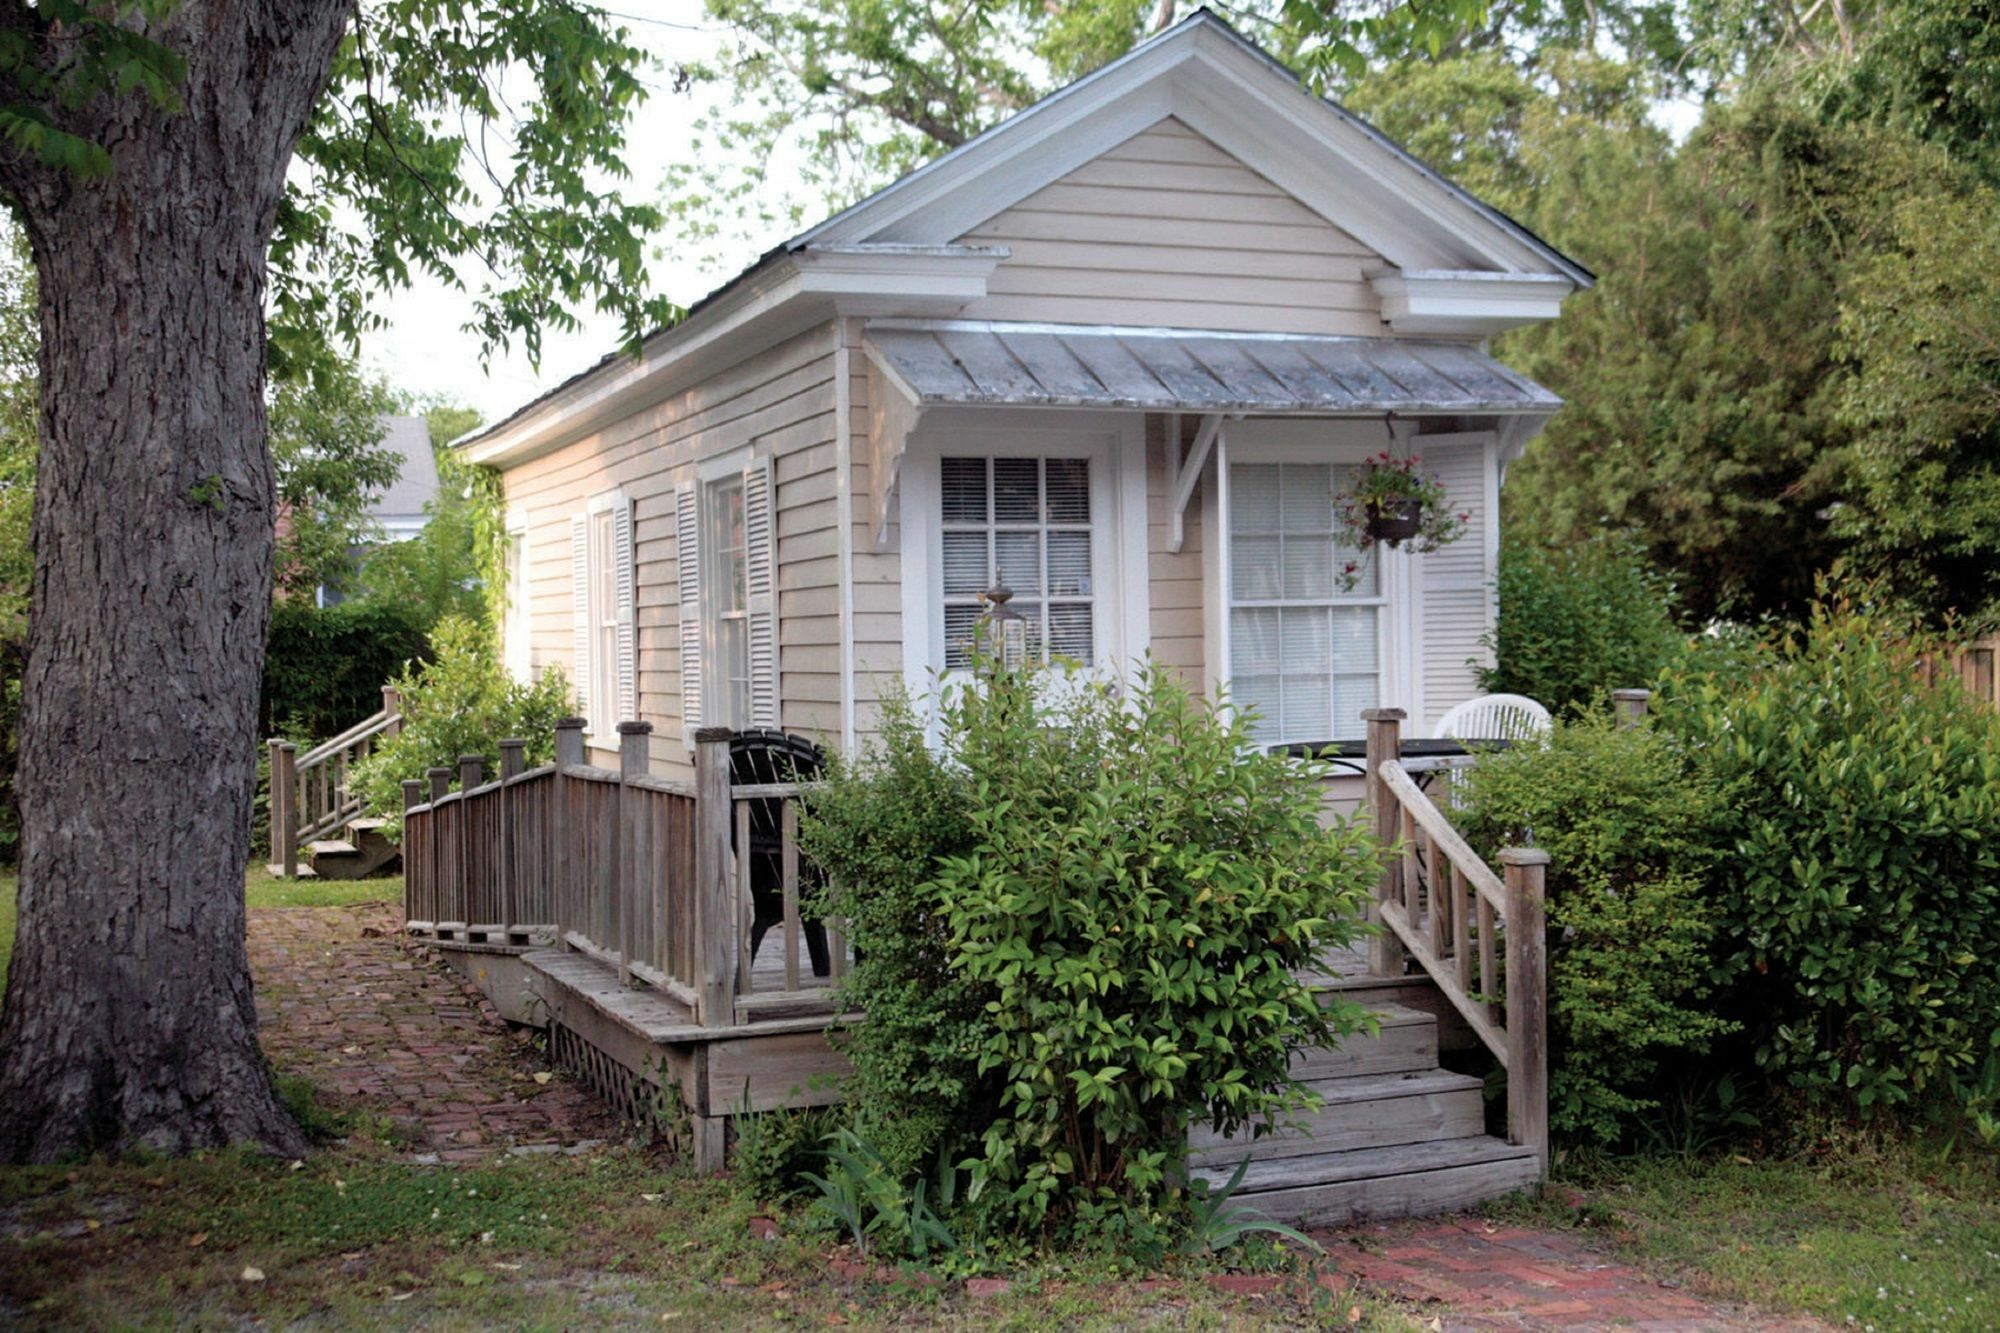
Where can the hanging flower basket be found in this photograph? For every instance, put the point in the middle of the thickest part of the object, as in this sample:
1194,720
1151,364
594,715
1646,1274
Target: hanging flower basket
1393,502
1395,521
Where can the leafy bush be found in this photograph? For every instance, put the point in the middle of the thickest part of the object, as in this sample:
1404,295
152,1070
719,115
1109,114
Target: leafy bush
1580,620
461,702
1627,824
1099,907
1859,891
776,1150
324,668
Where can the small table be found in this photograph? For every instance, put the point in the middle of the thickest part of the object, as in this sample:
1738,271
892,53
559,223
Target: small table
1421,757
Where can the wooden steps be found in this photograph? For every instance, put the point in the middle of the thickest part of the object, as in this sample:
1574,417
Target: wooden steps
1394,1136
365,850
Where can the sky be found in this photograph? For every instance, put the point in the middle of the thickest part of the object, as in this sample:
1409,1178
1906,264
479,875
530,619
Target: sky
425,351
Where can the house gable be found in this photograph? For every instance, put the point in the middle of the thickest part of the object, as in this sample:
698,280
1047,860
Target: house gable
1168,229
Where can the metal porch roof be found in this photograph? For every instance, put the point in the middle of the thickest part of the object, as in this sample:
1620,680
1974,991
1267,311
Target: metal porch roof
960,362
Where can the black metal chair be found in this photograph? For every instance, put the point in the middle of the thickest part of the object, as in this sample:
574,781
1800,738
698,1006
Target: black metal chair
758,757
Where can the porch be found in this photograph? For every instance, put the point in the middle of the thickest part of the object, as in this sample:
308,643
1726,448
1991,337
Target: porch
611,907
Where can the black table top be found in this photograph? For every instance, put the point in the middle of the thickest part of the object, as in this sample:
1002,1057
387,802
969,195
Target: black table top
1413,748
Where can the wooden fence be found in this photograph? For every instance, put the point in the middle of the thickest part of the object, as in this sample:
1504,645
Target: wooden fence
310,798
1973,665
640,872
1480,936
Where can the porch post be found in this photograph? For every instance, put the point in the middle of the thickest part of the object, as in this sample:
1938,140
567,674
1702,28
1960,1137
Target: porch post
513,762
714,879
635,741
1525,869
565,821
1385,727
1630,705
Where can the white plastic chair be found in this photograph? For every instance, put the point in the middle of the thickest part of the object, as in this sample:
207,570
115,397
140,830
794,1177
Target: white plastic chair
1495,717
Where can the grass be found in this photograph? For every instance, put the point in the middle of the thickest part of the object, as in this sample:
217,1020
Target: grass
354,1237
1889,1236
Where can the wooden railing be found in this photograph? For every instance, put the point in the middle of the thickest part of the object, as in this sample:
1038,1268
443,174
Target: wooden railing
1480,936
638,871
310,798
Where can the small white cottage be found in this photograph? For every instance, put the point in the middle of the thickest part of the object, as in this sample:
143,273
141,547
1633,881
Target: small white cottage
1120,351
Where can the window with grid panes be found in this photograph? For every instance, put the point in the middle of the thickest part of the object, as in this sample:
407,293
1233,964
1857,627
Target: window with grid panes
726,564
1304,611
1024,522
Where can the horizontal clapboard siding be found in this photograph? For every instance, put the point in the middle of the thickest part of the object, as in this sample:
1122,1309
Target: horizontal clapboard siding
1168,229
783,402
1174,579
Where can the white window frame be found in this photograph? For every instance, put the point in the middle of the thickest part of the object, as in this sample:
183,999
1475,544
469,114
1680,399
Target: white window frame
716,679
747,466
1115,447
606,619
1305,440
517,625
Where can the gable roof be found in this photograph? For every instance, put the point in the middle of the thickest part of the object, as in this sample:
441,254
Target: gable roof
1201,71
416,485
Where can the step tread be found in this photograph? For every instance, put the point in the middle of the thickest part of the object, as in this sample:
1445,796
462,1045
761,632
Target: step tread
277,871
1387,1087
331,847
366,824
1371,1164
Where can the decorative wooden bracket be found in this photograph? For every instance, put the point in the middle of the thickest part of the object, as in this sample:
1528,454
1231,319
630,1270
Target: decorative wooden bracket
1184,470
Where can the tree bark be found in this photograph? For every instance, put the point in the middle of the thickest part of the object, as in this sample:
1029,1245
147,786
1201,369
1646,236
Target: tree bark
129,1019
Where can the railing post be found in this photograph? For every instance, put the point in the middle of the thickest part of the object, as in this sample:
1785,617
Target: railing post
715,882
471,773
635,740
440,780
274,805
513,761
413,874
285,785
440,784
1630,705
392,708
1526,870
1385,727
563,819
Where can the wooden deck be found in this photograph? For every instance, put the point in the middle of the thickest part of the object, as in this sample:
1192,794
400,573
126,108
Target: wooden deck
626,904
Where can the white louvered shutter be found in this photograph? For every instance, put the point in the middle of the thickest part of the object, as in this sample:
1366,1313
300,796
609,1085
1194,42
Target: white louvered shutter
579,610
760,542
1458,595
628,639
687,542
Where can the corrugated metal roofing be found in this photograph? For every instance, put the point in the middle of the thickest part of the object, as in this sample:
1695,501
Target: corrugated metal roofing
1054,365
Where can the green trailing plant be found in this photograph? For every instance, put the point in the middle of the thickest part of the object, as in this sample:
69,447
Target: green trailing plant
1628,822
1387,488
1857,889
1580,619
1141,889
460,702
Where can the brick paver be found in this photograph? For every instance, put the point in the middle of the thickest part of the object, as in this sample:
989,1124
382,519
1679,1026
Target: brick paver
1488,1275
380,1026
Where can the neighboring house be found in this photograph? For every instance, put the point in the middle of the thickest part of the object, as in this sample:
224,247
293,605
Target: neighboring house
1121,351
400,512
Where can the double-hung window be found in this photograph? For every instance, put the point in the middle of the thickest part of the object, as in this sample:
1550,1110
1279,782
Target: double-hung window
1025,522
728,598
606,667
1305,612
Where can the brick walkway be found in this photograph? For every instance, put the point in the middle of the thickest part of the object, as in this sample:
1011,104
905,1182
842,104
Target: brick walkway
387,1031
1486,1275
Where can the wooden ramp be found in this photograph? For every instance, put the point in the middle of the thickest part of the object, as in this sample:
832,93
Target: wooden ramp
1395,1136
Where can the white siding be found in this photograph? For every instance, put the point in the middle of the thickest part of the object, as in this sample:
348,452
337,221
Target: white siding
1174,582
782,402
1168,229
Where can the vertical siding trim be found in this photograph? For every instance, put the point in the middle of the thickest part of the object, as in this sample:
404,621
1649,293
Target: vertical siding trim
579,600
843,463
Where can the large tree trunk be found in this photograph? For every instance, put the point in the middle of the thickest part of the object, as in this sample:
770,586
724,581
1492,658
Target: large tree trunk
129,1019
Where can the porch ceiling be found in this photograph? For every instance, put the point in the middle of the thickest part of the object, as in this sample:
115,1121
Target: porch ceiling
962,362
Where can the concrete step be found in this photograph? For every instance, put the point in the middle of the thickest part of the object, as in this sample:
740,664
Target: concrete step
1335,1188
1379,1111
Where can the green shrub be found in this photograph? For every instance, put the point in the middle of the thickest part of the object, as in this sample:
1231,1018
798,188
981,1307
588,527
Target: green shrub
1580,620
324,668
880,829
1859,887
459,703
1101,901
1627,824
776,1151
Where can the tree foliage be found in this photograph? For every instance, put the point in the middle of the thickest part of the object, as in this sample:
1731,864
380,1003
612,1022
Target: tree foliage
327,424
